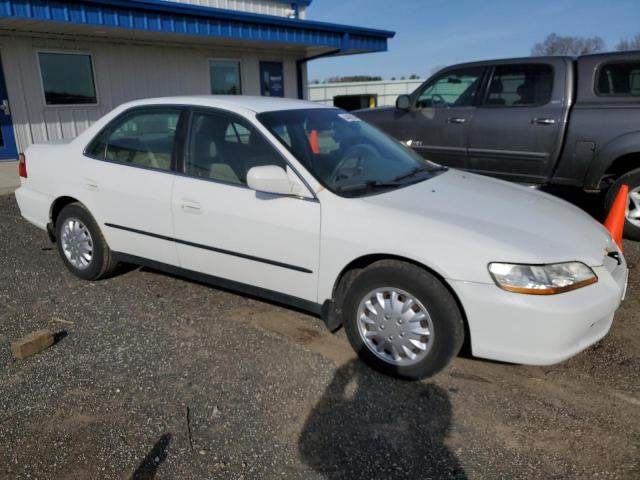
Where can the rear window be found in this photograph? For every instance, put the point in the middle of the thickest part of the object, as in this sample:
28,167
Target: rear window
520,85
619,79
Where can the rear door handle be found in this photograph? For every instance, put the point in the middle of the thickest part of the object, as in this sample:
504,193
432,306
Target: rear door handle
190,206
456,120
543,121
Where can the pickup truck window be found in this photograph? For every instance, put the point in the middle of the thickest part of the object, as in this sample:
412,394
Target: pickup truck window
521,85
451,89
619,79
144,138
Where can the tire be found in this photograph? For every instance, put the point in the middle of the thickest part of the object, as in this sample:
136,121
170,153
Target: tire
407,282
89,257
632,179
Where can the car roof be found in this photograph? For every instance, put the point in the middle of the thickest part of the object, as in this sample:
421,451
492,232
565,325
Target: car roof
230,102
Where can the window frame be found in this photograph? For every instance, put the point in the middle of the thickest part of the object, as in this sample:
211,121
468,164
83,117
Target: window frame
109,127
93,77
181,165
596,79
226,59
415,96
489,77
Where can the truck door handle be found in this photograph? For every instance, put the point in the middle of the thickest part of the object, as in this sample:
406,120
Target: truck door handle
542,121
456,120
189,206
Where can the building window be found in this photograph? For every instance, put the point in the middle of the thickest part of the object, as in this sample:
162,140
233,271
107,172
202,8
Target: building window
67,78
224,76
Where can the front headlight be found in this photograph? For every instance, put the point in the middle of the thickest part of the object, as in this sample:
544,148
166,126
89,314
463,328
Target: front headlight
542,279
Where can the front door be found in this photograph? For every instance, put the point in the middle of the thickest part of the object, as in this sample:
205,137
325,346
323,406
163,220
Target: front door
436,126
229,231
271,79
515,133
8,150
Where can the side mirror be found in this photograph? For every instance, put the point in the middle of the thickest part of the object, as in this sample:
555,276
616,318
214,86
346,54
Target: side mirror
274,179
403,102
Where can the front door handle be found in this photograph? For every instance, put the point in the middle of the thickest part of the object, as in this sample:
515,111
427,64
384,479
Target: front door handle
542,121
190,206
456,120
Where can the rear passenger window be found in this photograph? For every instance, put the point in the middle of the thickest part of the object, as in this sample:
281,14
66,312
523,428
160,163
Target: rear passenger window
621,79
144,138
224,149
520,85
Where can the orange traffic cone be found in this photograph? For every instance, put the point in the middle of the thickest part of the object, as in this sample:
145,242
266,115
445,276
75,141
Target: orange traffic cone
313,141
616,218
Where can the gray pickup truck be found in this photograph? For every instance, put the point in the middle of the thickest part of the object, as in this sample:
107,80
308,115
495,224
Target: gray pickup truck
537,120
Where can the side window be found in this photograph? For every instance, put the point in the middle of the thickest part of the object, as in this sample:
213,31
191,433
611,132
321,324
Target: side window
520,85
620,79
144,138
452,89
224,149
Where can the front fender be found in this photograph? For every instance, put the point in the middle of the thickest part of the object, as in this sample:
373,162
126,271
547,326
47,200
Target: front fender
614,149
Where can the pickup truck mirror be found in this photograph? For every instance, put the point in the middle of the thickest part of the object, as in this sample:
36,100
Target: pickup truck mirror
275,180
403,102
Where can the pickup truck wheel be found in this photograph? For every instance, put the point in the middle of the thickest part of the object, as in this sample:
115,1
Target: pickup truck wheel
81,245
632,224
401,320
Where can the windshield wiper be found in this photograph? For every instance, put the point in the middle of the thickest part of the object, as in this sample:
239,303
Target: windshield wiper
415,171
368,185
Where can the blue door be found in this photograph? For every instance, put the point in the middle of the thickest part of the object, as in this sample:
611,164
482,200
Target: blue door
8,149
271,79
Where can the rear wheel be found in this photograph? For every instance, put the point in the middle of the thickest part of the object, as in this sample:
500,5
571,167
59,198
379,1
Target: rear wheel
402,320
632,223
81,245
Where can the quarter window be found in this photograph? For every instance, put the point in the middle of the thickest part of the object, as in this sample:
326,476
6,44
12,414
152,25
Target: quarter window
452,89
67,78
144,139
621,79
520,85
224,76
225,149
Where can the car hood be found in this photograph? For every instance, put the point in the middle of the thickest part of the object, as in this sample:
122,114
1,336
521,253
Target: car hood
481,219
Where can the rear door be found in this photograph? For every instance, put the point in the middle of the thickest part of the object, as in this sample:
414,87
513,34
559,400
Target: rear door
436,126
516,130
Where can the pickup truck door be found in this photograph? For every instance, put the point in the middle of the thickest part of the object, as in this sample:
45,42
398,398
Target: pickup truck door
436,126
225,229
516,132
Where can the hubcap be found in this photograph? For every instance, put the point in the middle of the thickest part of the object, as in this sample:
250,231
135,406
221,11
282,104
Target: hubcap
633,212
77,243
395,326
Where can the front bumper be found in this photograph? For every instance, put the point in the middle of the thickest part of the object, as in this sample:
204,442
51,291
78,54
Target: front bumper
541,330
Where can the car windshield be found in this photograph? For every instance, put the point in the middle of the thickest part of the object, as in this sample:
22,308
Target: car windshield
345,154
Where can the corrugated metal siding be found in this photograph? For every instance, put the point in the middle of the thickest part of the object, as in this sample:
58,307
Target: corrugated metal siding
123,72
387,91
264,7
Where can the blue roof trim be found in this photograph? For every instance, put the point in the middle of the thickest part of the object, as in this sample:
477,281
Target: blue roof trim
170,17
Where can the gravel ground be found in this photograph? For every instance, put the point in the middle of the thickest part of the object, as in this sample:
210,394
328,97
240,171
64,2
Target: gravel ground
158,377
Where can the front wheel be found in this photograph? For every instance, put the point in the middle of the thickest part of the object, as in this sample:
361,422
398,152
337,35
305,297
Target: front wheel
81,245
632,222
402,320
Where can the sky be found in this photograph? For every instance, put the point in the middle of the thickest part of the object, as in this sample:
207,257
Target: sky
435,33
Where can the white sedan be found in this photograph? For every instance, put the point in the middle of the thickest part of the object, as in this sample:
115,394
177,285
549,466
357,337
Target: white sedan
309,206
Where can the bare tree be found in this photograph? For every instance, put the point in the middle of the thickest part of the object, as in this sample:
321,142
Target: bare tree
558,45
632,44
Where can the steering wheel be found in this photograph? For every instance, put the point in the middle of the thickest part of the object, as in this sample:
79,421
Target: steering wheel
354,154
437,100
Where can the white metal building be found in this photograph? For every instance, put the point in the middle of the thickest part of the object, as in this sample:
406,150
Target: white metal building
385,91
65,63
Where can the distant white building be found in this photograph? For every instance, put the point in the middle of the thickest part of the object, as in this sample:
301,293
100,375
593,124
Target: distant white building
361,94
65,63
